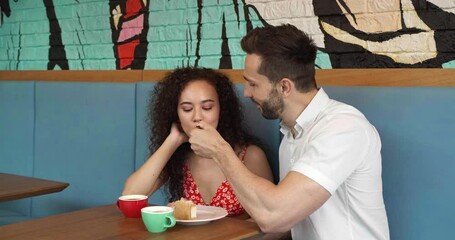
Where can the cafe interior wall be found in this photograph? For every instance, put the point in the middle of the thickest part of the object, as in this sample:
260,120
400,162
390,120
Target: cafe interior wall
159,34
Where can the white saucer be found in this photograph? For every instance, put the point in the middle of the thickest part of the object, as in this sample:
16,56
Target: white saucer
205,214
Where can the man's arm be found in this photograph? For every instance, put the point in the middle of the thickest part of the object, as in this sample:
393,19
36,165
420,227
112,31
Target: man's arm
276,208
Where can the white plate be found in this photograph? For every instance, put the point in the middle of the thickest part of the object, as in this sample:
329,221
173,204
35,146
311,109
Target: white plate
205,214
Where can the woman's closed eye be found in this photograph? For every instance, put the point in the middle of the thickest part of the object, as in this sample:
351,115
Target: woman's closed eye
206,105
203,108
207,108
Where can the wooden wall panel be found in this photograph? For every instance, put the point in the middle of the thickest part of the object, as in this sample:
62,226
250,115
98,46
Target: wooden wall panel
396,77
390,77
74,75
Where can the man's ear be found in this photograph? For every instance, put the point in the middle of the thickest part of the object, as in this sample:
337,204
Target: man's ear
286,86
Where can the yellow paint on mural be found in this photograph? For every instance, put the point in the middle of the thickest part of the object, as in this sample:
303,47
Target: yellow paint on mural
418,46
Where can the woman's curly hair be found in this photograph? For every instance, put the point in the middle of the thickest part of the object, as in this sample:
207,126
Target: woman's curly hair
163,112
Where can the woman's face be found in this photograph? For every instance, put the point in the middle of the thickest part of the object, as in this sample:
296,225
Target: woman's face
198,101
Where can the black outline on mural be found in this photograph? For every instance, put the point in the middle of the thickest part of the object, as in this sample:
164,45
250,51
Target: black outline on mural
236,10
249,24
198,32
140,54
57,54
445,39
225,60
80,42
4,4
188,45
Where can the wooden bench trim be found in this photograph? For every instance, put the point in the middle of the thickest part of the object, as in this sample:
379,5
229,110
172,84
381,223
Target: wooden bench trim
74,75
396,77
385,77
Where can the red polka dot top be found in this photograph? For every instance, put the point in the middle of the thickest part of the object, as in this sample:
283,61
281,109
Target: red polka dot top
224,196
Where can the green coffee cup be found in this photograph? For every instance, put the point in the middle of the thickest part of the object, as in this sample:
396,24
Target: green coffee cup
158,218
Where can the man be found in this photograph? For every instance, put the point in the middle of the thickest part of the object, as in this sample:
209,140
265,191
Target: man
330,160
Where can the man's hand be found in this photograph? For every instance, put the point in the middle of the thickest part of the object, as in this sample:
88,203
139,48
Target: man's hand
207,142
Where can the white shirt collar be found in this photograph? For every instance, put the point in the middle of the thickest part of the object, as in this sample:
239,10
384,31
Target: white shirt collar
308,115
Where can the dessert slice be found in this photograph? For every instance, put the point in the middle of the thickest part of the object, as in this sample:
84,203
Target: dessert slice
184,209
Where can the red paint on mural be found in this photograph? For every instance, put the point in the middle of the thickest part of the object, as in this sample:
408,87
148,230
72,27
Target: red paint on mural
129,34
126,53
133,7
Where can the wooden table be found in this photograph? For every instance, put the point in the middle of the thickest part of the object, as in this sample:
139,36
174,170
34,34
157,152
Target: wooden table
14,187
107,222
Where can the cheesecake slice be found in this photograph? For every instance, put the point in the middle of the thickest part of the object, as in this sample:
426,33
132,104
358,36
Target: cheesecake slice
184,209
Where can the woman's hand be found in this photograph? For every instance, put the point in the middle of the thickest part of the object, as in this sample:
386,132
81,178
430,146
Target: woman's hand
146,179
177,134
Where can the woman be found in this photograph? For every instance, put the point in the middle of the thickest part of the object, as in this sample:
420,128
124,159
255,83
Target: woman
182,99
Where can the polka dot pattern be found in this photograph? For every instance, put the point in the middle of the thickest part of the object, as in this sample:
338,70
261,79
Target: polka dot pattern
224,196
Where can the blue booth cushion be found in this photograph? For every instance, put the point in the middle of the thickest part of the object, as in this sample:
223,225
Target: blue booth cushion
142,135
17,116
85,135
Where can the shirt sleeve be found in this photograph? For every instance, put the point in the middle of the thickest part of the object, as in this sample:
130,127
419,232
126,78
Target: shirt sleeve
334,152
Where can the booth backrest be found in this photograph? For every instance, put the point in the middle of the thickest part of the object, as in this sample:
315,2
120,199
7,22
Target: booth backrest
93,136
80,133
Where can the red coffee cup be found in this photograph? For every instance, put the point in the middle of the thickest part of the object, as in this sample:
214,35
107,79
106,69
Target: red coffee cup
131,205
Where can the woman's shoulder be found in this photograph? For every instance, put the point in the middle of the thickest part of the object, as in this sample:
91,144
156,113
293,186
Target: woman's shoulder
253,153
256,161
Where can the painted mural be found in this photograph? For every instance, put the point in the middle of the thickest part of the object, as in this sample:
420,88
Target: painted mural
157,34
400,38
129,32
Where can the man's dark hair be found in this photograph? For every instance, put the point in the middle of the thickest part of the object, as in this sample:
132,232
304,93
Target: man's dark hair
286,52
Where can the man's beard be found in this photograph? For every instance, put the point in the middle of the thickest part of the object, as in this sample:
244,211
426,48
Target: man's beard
273,106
